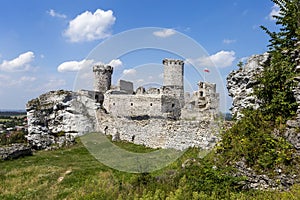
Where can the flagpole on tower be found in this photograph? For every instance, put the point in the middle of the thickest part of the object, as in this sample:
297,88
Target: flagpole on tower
205,71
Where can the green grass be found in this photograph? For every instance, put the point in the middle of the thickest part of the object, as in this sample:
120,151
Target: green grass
74,174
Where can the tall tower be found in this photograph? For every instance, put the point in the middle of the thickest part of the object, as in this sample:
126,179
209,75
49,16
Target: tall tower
173,78
102,78
173,72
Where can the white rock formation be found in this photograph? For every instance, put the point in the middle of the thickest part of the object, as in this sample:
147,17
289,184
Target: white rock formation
240,84
57,117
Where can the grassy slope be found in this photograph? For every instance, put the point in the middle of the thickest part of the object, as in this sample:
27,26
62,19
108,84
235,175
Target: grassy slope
74,174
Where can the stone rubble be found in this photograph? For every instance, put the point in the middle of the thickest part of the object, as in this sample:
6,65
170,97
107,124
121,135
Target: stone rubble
13,151
262,181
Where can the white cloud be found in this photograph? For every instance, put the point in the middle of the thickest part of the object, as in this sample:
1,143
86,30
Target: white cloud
228,41
244,59
115,63
27,78
129,72
90,26
8,81
54,84
53,13
221,59
274,12
164,33
73,66
21,63
140,81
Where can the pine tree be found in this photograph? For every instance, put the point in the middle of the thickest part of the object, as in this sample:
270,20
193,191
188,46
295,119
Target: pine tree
276,81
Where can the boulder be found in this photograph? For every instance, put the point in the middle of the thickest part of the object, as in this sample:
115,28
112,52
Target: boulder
15,151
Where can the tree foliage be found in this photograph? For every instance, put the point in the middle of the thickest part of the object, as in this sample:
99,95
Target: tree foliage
276,82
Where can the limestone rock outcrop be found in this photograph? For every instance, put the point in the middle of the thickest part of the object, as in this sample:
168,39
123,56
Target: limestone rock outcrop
292,133
13,151
240,84
56,117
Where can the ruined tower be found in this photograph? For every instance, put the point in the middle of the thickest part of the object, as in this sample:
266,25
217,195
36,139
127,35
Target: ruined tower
173,78
102,78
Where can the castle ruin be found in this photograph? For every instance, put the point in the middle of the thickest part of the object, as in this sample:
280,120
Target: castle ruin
164,117
167,102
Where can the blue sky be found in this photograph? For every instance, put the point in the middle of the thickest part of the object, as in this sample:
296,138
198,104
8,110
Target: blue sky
43,44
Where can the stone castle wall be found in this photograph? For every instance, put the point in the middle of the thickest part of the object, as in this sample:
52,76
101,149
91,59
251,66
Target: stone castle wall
162,133
150,105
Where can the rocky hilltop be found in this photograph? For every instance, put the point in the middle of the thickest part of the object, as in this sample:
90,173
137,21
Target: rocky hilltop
56,117
240,84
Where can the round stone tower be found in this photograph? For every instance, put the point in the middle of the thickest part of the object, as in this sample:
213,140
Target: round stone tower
102,78
173,78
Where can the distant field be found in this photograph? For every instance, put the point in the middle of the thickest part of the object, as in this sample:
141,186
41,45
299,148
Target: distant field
12,113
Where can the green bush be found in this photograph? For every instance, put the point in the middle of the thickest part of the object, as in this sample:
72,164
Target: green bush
12,137
252,139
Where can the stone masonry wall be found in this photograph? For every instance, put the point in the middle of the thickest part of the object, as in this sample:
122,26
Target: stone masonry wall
162,133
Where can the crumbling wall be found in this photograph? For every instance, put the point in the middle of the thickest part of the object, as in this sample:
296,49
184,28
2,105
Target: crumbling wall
123,105
162,133
126,86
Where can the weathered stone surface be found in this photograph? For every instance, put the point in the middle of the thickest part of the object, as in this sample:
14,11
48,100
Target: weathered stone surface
15,151
56,117
292,133
240,84
162,133
262,181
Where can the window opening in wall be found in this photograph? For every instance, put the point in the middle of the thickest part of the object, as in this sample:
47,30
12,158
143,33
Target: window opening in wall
150,104
173,105
201,94
131,104
114,104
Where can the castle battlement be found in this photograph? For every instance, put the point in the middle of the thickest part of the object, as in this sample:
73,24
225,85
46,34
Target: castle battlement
168,61
103,75
167,101
103,68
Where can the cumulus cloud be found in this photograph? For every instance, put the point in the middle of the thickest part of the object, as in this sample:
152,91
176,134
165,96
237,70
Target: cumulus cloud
53,13
228,41
274,12
164,33
129,72
73,66
21,63
115,63
90,26
221,59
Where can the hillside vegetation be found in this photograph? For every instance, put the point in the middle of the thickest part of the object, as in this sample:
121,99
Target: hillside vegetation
74,174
